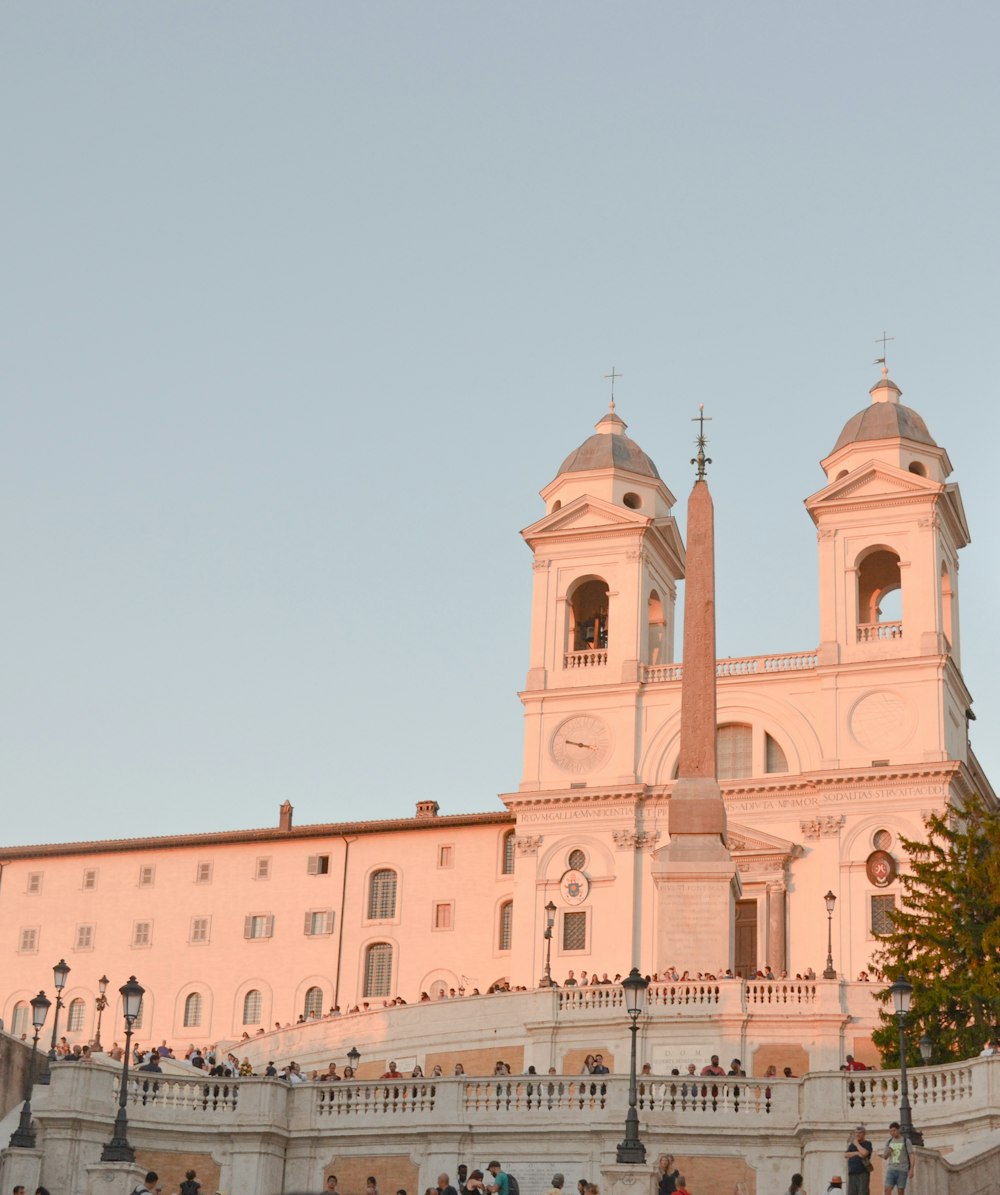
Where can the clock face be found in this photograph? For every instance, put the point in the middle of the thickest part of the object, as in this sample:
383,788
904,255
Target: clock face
581,744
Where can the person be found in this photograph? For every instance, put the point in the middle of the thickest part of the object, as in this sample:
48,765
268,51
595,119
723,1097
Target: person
682,1185
392,1073
836,1185
475,1183
190,1185
987,1051
152,1178
736,1067
331,1185
713,1067
371,1186
499,1185
668,1175
795,1187
897,1154
558,1181
859,1162
459,1070
599,1067
581,1186
570,981
588,1065
788,1073
853,1065
45,1190
18,1190
444,1186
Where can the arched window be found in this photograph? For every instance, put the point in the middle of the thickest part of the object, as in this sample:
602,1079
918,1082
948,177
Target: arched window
253,1006
657,634
577,859
378,969
382,895
589,616
75,1015
734,750
507,865
137,1023
21,1019
775,760
506,925
313,1002
192,1011
438,989
879,597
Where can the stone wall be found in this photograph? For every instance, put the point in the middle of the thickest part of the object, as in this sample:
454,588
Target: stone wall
15,1058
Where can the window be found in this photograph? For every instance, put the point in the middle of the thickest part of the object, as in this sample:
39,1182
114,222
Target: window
882,907
137,1023
378,969
258,925
75,1015
203,874
262,870
507,861
589,616
29,940
34,883
21,1020
319,922
382,895
313,1003
879,597
577,860
142,933
774,760
446,856
200,929
319,865
147,873
89,879
882,840
734,751
574,931
506,926
192,1011
252,1007
84,937
444,914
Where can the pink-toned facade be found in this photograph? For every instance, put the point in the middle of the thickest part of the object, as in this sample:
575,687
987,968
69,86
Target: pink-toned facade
826,756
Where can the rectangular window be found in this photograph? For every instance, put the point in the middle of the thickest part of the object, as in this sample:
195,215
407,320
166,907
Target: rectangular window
262,870
200,927
505,929
574,931
147,873
444,914
319,865
34,883
89,879
84,937
446,856
319,922
882,906
29,940
258,925
142,933
203,875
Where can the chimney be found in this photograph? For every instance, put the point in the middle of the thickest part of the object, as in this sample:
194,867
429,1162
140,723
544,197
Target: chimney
427,808
285,816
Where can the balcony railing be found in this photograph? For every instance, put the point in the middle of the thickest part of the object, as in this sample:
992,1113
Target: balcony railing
876,632
586,659
792,661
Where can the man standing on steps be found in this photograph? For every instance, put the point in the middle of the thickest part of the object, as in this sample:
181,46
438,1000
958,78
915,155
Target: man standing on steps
859,1162
500,1184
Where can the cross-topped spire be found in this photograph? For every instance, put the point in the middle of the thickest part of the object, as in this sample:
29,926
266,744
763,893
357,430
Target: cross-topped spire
701,460
612,376
883,339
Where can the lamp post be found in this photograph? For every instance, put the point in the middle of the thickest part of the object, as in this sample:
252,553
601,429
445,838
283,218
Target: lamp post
118,1148
632,1151
22,1137
59,974
926,1049
101,1004
902,993
353,1057
830,900
550,920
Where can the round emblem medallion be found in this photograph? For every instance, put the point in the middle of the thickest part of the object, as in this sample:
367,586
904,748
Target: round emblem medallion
575,887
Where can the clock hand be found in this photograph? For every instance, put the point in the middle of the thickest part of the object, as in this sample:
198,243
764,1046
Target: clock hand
586,746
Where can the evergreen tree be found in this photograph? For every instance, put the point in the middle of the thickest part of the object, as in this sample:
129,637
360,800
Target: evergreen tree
946,937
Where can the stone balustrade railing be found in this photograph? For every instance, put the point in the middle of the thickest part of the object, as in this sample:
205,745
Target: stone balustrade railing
585,659
875,632
794,661
703,997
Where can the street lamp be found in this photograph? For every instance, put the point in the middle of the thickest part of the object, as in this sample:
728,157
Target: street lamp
902,993
353,1057
59,973
550,920
118,1148
926,1048
632,1151
101,1004
22,1136
830,900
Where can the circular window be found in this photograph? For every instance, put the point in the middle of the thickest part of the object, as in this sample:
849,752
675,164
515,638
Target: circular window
577,860
632,501
882,840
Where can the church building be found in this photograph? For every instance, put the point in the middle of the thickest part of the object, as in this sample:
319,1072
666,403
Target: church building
826,755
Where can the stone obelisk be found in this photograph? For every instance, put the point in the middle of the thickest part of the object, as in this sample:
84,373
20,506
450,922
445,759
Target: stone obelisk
695,876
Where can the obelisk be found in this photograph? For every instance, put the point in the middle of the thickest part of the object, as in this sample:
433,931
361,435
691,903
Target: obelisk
695,876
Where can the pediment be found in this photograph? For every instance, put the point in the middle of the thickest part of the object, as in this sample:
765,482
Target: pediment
875,479
586,513
748,841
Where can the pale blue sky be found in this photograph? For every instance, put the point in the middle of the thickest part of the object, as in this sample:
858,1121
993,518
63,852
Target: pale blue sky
269,267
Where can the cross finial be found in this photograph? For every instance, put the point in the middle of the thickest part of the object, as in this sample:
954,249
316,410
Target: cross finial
883,339
613,375
701,460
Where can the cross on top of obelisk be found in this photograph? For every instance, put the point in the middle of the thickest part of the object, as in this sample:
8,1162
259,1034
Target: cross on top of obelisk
612,376
701,460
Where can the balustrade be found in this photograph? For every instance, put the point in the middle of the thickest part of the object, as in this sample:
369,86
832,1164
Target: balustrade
874,632
794,661
585,659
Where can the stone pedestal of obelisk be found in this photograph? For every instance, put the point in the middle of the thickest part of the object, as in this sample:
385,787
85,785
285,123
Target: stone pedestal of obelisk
696,880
